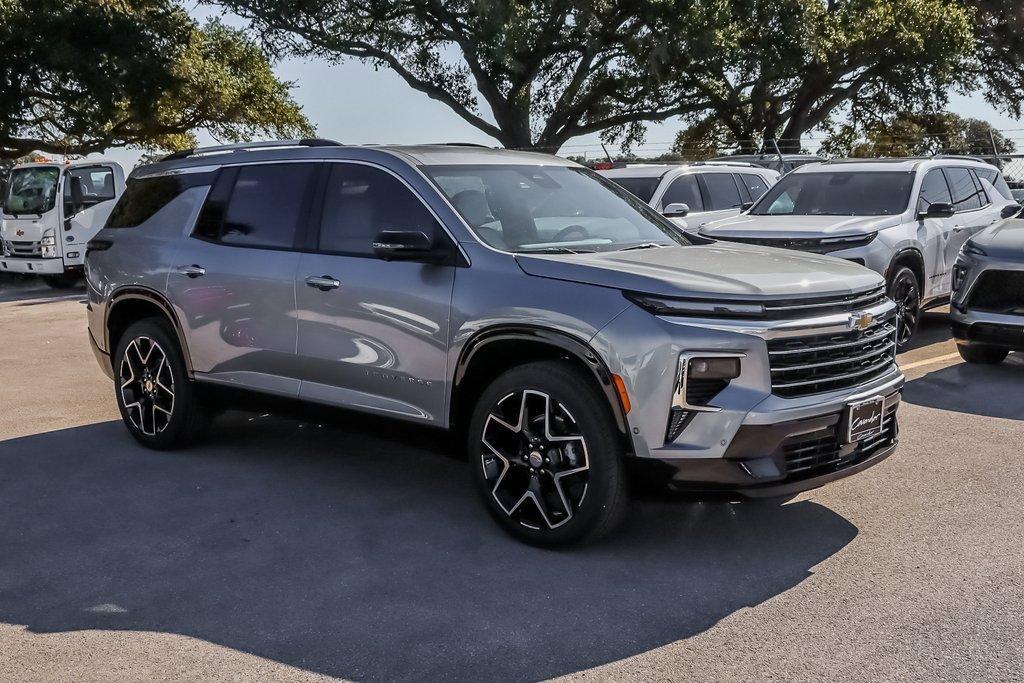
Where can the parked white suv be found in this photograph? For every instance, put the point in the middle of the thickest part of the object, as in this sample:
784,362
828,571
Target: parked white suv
694,194
903,218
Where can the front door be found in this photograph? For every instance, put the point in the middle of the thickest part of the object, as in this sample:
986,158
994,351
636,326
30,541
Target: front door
935,233
372,334
233,281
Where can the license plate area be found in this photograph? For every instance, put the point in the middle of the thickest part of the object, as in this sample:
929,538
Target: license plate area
864,419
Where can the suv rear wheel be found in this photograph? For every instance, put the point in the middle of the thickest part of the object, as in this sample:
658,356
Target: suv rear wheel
905,291
157,401
980,353
545,455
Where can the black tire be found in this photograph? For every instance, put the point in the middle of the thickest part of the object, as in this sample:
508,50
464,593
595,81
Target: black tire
981,353
158,403
905,290
577,476
65,281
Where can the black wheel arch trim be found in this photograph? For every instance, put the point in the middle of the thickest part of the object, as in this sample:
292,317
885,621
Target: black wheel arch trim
905,251
554,338
136,293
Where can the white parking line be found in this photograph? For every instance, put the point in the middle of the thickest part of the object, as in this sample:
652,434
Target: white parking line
929,361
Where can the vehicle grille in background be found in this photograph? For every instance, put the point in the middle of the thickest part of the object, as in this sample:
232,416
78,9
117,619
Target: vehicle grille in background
820,451
812,245
814,364
25,248
999,291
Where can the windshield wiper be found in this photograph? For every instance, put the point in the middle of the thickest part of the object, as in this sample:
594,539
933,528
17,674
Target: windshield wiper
557,250
645,245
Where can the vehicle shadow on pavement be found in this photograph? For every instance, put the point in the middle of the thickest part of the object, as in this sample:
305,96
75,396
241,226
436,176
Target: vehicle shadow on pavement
346,553
988,390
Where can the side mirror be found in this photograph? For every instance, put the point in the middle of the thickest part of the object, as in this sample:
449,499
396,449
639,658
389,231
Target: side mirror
938,210
1010,210
407,245
77,196
676,210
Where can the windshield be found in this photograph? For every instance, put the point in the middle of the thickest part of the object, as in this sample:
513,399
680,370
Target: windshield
31,190
838,193
554,209
642,187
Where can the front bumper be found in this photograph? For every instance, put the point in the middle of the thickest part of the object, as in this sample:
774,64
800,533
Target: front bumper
33,266
785,457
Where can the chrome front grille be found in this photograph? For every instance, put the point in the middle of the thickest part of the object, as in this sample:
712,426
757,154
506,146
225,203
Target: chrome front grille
808,307
25,249
801,366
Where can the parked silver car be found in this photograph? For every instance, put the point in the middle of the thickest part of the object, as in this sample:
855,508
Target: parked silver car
695,194
567,330
903,218
987,311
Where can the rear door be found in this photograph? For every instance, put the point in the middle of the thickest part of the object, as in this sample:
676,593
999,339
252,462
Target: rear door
232,282
970,201
372,334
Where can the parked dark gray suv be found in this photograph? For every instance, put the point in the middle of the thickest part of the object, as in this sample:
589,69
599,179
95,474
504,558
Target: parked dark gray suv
569,332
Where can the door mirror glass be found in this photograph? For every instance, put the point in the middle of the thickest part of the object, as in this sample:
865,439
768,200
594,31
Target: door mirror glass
938,210
676,210
1010,210
77,195
407,245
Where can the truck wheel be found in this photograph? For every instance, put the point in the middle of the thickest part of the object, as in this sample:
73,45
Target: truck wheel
65,281
158,403
905,291
979,353
546,456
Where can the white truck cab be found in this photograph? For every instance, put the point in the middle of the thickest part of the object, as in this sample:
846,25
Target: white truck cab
50,211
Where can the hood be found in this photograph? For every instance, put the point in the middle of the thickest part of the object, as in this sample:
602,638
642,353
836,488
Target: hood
719,269
746,225
1004,240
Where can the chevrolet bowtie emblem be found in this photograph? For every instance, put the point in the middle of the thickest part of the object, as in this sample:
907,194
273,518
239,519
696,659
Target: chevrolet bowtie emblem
860,321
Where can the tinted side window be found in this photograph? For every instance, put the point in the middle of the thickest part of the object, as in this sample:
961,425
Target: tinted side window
997,180
754,184
360,201
267,205
143,197
934,190
985,199
965,194
722,191
684,190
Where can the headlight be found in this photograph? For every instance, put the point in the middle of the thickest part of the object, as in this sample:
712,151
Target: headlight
48,241
971,248
660,305
849,242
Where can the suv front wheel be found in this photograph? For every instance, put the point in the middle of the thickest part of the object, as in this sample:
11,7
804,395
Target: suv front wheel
905,291
157,401
546,455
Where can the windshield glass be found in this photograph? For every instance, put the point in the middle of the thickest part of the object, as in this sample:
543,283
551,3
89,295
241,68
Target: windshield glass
552,209
838,193
31,190
642,187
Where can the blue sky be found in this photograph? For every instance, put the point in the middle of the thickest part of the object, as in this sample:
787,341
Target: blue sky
354,103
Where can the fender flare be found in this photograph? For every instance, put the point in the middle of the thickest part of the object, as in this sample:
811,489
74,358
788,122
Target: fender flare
903,252
563,341
152,296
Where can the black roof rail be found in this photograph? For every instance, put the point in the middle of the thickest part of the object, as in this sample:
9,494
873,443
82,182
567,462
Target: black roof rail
462,144
248,146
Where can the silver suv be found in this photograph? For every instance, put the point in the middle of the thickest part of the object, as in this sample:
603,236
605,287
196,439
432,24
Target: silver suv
903,218
570,333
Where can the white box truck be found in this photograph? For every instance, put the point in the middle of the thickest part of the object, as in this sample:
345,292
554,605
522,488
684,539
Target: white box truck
50,211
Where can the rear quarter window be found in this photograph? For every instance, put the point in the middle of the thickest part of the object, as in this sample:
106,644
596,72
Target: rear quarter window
143,197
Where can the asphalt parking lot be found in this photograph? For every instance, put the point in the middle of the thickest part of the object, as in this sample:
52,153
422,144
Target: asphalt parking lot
284,548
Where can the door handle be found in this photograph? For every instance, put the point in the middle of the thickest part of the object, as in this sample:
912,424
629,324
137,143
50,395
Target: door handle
192,271
958,228
323,282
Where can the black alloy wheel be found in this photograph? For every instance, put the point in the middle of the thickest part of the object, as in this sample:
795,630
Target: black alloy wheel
905,292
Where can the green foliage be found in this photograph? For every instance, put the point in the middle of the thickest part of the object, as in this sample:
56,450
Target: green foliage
909,134
80,76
